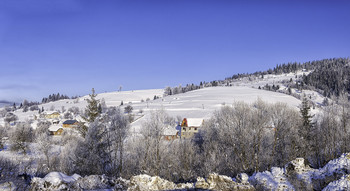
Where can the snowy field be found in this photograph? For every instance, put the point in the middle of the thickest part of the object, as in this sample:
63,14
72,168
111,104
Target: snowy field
194,104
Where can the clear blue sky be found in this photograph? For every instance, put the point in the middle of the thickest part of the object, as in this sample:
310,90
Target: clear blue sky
70,46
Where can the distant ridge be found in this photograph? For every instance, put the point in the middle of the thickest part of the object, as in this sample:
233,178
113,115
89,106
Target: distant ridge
5,103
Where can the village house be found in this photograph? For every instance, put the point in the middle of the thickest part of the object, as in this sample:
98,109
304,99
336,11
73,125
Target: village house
190,126
56,130
52,114
170,133
70,124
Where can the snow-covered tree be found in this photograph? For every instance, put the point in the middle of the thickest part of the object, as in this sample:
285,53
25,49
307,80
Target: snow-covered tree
117,131
21,137
44,146
91,113
91,110
10,117
152,141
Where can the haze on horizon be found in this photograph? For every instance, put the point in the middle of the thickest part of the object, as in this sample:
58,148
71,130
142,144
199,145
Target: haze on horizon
71,46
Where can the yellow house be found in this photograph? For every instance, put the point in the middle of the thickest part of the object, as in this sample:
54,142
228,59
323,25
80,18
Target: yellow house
56,130
190,126
52,115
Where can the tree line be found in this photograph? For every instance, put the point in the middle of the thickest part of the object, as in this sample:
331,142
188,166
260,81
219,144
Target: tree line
54,97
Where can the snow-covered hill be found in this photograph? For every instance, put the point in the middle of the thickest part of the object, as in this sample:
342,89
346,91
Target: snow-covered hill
194,104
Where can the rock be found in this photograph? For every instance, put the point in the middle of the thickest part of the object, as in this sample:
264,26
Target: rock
242,178
297,165
201,183
60,181
53,181
184,186
92,182
222,183
145,182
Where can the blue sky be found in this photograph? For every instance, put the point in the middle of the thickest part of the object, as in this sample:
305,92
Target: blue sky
70,46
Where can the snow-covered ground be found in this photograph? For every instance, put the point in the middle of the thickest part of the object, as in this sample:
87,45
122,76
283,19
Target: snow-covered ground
203,102
194,104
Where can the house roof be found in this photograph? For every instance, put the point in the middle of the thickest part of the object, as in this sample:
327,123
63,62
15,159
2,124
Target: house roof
70,122
51,112
194,122
170,130
55,128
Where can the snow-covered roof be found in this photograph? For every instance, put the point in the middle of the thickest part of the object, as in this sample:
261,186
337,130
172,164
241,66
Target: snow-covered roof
194,122
51,112
55,127
170,130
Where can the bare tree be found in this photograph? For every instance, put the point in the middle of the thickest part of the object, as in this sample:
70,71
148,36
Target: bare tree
3,133
152,140
128,109
44,146
118,127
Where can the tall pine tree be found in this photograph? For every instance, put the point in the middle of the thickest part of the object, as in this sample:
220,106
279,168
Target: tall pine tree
305,113
91,112
305,130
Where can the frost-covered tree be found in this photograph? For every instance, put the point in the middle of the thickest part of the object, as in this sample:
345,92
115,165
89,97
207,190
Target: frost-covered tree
103,105
44,146
21,137
68,115
306,127
74,110
225,152
3,133
91,112
90,155
152,141
343,101
42,127
117,131
102,149
285,121
10,117
128,109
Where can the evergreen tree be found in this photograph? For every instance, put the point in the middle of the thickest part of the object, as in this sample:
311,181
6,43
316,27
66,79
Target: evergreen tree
91,112
305,113
305,131
99,108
